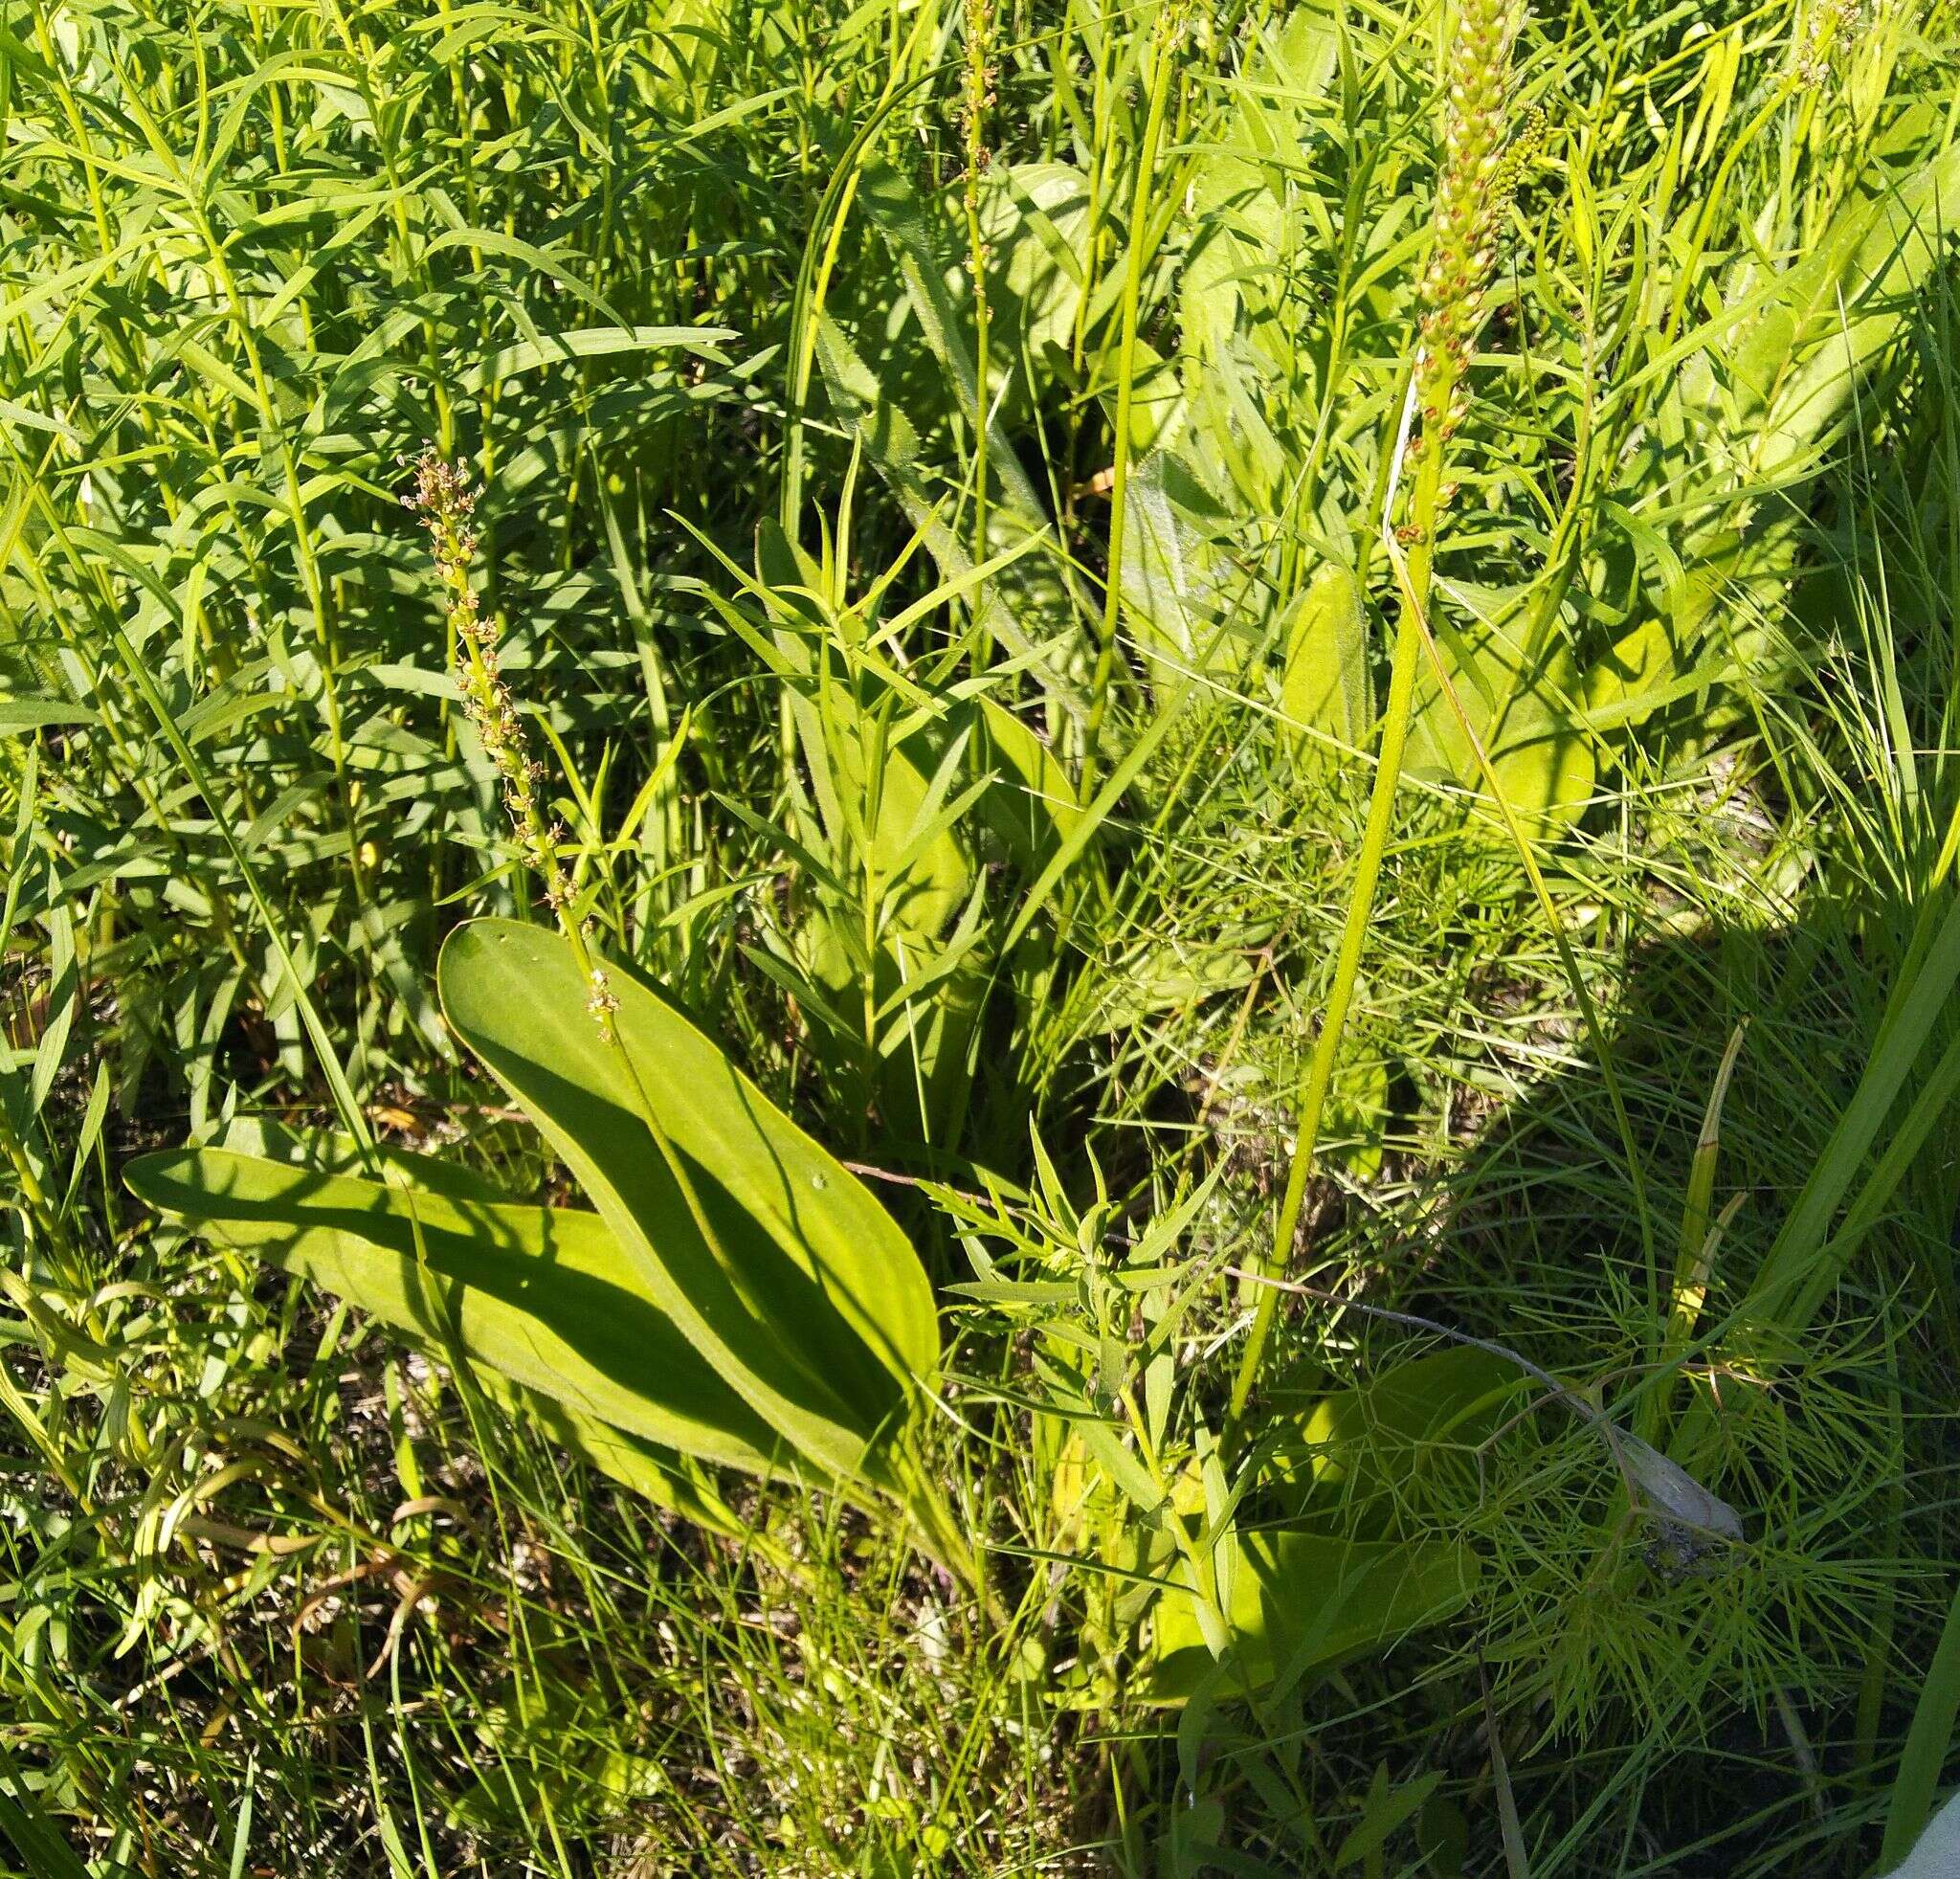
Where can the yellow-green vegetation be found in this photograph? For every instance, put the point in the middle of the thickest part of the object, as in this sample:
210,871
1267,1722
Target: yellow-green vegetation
975,938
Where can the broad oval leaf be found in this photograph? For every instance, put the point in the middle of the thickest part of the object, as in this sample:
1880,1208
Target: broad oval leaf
1301,1600
1450,1396
542,1295
1526,716
1371,1440
1325,693
804,1295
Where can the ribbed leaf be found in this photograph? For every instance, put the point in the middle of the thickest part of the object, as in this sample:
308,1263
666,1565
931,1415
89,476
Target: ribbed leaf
1450,1396
1525,710
804,1295
543,1295
1326,689
1300,1600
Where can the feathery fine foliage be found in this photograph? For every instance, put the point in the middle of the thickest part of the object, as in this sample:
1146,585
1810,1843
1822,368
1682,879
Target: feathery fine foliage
972,938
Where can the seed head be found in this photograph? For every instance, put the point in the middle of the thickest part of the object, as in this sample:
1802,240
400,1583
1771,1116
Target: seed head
1475,183
443,497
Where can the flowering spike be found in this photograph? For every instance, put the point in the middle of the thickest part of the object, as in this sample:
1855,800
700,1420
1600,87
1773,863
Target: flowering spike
443,497
1475,183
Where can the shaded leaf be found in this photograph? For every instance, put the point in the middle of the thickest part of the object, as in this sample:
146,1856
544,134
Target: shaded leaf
543,1295
1302,1601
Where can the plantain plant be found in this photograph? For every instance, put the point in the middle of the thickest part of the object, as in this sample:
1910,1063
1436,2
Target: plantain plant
1681,397
1662,456
734,1297
737,1297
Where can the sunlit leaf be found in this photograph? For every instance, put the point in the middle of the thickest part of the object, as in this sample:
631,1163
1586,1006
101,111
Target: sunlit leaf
795,1284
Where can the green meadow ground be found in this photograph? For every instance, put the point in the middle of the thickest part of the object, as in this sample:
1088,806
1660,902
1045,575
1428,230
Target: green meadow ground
969,708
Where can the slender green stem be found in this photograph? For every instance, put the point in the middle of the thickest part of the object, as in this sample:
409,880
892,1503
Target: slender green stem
979,81
1311,1106
1161,44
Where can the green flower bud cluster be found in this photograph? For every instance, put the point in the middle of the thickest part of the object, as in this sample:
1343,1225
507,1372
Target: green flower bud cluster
1474,184
977,96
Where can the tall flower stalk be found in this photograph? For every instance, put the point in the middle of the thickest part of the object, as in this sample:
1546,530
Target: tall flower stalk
976,94
1474,183
443,497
